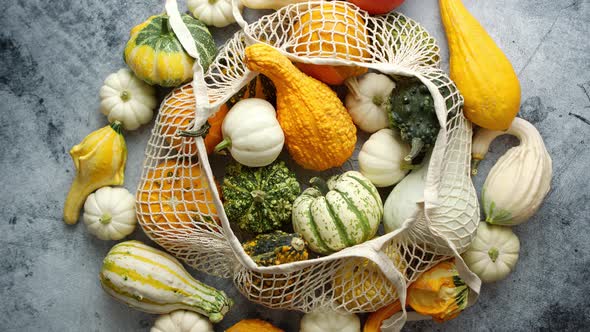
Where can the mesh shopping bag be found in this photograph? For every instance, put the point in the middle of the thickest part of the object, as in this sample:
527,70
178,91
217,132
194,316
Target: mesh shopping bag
179,205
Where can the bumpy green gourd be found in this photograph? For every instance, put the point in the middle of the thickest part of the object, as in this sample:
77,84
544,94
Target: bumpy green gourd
411,111
259,199
277,248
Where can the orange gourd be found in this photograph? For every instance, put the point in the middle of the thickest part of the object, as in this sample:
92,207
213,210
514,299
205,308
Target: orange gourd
253,325
172,196
319,132
326,31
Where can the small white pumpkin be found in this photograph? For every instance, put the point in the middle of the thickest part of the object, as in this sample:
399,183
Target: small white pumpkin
401,202
109,213
381,158
520,179
367,99
182,321
217,13
327,320
127,99
252,133
493,253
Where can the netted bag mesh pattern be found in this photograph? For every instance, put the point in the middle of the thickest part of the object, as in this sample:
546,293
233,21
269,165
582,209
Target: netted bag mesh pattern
178,204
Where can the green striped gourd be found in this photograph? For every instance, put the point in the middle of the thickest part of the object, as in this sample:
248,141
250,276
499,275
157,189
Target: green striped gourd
156,56
341,213
150,280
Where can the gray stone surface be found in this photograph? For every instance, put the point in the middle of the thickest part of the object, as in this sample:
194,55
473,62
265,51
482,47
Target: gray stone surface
54,56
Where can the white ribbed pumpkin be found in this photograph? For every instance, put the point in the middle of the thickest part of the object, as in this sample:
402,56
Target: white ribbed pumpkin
341,213
520,179
182,321
109,213
150,280
381,158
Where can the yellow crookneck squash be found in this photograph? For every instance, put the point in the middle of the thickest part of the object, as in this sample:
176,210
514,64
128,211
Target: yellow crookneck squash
319,132
482,72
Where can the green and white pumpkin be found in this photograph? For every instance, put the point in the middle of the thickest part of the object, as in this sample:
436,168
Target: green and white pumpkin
156,56
150,280
341,213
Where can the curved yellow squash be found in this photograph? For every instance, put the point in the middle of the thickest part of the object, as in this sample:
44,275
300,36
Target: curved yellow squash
480,69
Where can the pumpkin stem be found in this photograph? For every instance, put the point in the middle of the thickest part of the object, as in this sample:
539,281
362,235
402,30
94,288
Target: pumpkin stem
417,145
165,26
378,100
125,95
298,244
201,132
225,144
474,166
320,185
258,196
116,125
105,219
493,253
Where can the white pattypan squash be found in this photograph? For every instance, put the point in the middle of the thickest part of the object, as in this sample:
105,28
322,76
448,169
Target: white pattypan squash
109,213
520,179
401,202
127,99
182,321
494,252
367,99
252,133
381,158
330,321
217,13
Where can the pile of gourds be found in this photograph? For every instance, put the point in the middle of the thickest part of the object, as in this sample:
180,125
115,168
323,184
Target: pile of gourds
291,105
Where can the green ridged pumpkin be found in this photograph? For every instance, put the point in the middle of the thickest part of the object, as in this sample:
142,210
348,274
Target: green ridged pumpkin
156,56
341,213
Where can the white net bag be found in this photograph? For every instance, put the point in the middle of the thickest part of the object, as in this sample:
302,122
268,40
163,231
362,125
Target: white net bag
178,202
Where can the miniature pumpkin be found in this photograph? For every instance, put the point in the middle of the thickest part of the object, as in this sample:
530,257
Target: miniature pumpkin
319,132
182,321
172,196
109,213
156,56
253,325
381,158
331,30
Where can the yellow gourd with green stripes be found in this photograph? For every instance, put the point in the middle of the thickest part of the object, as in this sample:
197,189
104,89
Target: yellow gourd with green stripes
150,280
156,56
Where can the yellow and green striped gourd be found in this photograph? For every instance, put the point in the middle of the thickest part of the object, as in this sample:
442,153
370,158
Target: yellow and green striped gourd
150,280
156,56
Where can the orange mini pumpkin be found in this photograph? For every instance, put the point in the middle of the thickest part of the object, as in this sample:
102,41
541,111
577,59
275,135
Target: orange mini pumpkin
253,325
173,196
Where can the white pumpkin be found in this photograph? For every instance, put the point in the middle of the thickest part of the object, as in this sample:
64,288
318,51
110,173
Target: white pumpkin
217,13
127,99
341,213
381,158
252,133
367,99
182,321
520,179
401,202
493,253
109,213
330,321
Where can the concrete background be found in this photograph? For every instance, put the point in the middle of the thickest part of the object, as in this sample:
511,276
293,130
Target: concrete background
54,56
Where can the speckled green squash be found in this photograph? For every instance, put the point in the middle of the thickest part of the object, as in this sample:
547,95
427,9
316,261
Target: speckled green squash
156,56
341,213
259,199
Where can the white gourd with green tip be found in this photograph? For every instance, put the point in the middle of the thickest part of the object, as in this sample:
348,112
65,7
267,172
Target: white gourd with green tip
252,133
109,213
341,213
182,321
327,320
127,99
381,158
493,253
217,13
150,280
366,101
520,179
401,204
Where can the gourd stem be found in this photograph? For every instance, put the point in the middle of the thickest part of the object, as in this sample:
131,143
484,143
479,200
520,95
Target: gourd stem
201,132
417,145
493,253
105,219
225,144
320,185
258,196
297,244
378,100
116,125
165,27
474,166
125,95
